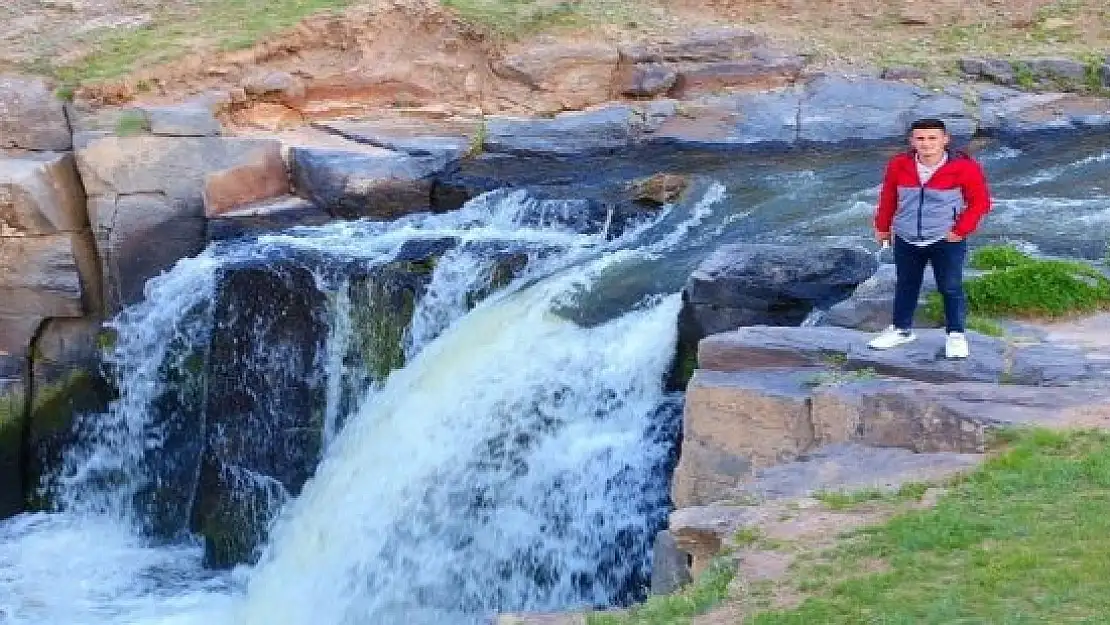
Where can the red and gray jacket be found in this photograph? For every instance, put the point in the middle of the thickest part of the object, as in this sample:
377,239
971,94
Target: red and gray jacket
954,199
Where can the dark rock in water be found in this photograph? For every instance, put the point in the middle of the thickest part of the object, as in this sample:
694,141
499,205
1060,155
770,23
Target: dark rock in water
756,284
353,184
266,217
264,404
658,189
13,405
67,385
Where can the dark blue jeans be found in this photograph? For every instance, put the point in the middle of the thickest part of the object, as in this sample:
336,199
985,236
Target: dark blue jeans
947,260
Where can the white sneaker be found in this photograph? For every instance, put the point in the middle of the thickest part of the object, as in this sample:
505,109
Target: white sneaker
891,337
956,346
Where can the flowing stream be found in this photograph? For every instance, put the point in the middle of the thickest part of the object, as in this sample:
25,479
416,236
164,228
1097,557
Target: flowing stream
517,461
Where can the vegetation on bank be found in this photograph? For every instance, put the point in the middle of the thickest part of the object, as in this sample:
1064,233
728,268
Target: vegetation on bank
708,590
175,30
1021,540
1019,286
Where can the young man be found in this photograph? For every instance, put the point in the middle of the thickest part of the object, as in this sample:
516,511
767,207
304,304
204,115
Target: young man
932,199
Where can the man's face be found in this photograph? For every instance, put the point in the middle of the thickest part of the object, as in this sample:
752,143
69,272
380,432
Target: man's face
930,143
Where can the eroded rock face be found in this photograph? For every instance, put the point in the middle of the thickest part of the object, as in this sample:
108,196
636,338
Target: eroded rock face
41,193
576,75
48,275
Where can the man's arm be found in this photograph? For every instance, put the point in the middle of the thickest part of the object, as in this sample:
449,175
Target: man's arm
977,202
888,202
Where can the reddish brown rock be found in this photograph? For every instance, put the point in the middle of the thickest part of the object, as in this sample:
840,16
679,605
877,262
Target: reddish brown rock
262,177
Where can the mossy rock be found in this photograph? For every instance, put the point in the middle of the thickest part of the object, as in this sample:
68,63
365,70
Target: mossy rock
12,408
55,408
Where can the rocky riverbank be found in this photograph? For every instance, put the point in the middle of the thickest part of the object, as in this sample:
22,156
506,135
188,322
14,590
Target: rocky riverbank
96,199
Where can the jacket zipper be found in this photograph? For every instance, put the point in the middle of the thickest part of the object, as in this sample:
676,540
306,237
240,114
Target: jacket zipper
920,206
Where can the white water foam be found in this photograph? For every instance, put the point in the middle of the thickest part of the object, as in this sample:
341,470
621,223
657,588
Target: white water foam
573,404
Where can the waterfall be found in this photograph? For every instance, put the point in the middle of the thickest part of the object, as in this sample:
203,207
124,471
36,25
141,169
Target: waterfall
507,458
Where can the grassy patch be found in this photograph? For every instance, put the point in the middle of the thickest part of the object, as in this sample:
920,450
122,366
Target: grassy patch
182,29
834,377
710,588
1022,540
1020,286
910,491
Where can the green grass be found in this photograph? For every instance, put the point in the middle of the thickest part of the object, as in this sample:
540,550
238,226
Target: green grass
836,500
1019,286
1022,540
709,589
175,32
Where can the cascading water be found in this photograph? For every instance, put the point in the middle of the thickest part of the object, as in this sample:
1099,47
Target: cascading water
516,461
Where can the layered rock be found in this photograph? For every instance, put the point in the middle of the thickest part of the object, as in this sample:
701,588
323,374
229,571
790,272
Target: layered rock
146,201
31,118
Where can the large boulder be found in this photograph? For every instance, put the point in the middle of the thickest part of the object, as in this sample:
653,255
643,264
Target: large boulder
1018,118
449,140
146,201
604,130
68,384
31,117
757,284
736,423
354,183
766,119
14,385
264,413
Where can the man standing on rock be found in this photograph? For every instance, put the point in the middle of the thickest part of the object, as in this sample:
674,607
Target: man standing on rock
932,199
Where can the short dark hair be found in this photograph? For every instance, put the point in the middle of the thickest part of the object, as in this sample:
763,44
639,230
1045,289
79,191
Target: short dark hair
928,123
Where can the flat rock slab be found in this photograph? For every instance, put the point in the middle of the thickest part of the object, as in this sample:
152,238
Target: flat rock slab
992,359
449,140
956,417
264,217
604,130
540,619
847,467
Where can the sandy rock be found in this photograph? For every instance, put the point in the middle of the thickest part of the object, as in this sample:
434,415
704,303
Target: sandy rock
41,193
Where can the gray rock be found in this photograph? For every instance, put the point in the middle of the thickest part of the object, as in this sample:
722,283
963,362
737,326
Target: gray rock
645,80
271,216
138,236
353,184
753,119
837,110
956,115
1104,75
448,142
1038,116
604,130
1058,70
847,467
49,275
183,121
31,117
67,384
871,306
41,193
14,384
992,359
953,417
750,284
995,70
265,436
670,570
902,73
